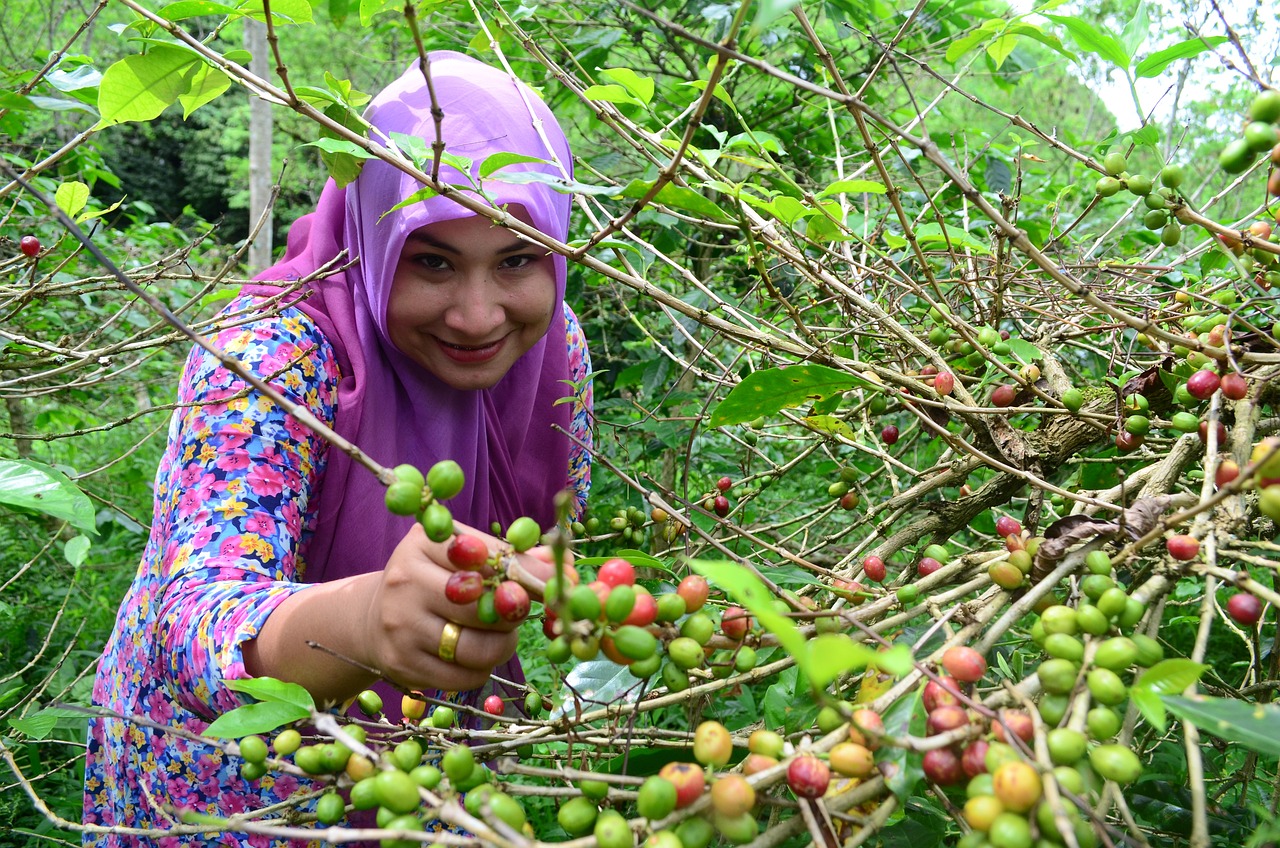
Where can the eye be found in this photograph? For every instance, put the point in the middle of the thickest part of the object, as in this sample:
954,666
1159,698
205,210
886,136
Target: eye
520,260
432,261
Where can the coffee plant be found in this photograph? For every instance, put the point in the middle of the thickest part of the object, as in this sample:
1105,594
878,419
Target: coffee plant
937,460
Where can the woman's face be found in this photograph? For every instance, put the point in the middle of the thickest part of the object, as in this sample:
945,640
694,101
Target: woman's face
469,298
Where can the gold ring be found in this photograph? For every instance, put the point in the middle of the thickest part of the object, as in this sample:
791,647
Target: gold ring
449,641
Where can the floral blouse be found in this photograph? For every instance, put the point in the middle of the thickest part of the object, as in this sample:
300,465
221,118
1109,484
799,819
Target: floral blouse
233,506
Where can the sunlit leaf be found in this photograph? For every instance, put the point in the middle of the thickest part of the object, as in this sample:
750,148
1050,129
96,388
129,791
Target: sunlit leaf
1154,65
76,549
1091,39
139,88
36,487
612,94
769,390
71,197
1255,726
501,160
641,87
255,718
205,83
852,187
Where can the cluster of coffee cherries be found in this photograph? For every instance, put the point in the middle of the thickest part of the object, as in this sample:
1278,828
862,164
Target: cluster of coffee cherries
1157,199
496,598
842,490
618,617
392,784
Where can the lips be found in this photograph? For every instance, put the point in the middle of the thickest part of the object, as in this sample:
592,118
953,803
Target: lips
471,353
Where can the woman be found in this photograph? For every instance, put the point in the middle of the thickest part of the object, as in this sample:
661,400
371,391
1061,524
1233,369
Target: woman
447,339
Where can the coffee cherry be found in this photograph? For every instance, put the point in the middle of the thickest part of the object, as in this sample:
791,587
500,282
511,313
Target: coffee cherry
1183,547
617,572
612,831
403,498
1115,163
253,749
656,799
1015,721
437,522
1116,762
927,566
370,703
974,759
735,623
286,742
29,245
1234,386
808,776
1102,723
724,484
445,479
874,569
1203,384
523,534
1007,526
577,815
1017,785
411,708
946,717
889,435
1003,395
464,587
721,505
468,552
695,590
688,779
511,601
942,766
940,693
732,795
1245,609
494,705
964,663
396,791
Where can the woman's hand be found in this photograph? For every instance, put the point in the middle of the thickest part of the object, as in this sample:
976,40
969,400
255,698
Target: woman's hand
409,618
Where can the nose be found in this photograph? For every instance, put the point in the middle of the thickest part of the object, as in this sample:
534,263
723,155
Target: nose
476,308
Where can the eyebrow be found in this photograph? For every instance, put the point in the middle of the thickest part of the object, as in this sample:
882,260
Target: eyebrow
514,247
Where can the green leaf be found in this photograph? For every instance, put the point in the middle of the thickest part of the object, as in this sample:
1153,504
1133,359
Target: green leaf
1255,726
641,87
834,654
71,197
272,690
1136,29
904,717
424,193
770,390
963,45
340,145
139,88
677,197
933,233
1168,677
76,549
1099,41
205,83
1000,49
853,187
555,183
598,682
746,589
612,94
1154,65
768,11
255,718
184,9
639,559
370,8
501,160
282,11
40,724
719,94
36,487
1025,351
831,425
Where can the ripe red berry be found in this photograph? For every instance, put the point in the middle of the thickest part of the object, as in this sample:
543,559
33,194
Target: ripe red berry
927,566
873,568
29,245
724,484
1234,386
964,663
511,601
1221,431
721,505
849,500
943,694
735,623
464,587
493,705
467,552
1003,395
1006,526
889,435
689,780
942,766
1203,384
645,611
694,589
617,572
944,383
1126,441
946,717
1245,609
1183,547
974,758
1016,720
808,776
1228,471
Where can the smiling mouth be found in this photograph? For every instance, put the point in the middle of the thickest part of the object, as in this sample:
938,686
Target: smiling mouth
471,353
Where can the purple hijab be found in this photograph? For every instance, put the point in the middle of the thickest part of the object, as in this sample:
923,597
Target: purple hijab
393,409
